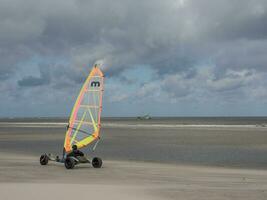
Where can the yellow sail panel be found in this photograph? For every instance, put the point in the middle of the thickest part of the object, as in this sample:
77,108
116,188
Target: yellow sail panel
84,123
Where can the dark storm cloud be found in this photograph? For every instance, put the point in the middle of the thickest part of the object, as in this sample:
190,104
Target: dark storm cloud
176,38
165,34
32,81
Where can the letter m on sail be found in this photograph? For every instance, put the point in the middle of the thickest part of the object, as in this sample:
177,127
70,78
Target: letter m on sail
95,84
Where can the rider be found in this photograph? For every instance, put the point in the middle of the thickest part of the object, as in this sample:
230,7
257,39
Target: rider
75,152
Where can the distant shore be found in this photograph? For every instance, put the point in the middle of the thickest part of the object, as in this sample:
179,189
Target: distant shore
154,120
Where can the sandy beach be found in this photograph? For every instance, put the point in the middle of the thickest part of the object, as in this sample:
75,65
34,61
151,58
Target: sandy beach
140,162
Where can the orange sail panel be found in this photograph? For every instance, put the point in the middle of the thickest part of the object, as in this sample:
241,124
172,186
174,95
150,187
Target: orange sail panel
84,123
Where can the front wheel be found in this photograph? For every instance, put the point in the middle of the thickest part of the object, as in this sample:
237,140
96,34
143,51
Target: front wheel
44,159
69,163
97,162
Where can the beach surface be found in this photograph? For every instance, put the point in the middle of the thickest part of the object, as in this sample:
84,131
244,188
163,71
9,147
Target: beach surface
142,160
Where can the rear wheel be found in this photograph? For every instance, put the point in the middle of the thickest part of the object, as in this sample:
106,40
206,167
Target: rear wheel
97,162
69,163
44,159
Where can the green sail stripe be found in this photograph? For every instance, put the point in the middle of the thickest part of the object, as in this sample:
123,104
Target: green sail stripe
94,124
78,127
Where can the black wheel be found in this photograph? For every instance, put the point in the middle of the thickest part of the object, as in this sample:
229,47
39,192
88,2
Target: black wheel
44,159
97,162
69,163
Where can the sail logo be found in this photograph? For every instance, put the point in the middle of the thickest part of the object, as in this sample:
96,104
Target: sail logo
95,84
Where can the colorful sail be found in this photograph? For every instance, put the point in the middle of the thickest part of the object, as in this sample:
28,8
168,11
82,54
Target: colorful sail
84,124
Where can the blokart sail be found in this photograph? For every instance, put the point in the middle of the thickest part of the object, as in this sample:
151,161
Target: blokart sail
84,123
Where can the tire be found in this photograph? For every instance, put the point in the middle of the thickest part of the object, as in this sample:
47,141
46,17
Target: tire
69,163
44,159
97,162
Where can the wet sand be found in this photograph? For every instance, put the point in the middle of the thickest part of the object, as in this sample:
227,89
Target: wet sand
139,163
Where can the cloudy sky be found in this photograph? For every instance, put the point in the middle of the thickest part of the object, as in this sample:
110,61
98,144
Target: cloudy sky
166,58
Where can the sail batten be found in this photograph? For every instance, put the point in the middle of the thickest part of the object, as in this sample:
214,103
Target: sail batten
84,123
88,106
